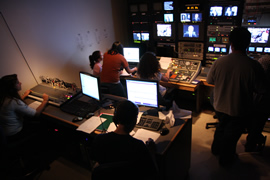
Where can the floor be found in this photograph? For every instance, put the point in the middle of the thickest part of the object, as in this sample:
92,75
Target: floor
204,165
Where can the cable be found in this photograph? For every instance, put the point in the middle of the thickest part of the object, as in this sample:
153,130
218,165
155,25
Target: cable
18,46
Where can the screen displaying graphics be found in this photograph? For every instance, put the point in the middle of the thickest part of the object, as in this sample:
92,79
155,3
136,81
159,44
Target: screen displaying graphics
211,49
216,11
217,49
185,17
168,17
212,39
90,85
267,49
136,36
223,50
251,49
132,54
230,11
259,49
145,36
164,30
168,5
191,31
259,34
197,17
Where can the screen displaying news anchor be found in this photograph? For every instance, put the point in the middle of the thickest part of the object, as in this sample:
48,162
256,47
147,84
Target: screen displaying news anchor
191,31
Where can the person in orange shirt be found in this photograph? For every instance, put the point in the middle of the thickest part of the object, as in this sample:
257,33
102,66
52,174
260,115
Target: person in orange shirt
113,61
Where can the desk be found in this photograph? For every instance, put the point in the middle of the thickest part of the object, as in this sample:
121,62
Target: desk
173,150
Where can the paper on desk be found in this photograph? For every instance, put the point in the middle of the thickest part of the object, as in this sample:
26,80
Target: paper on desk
144,135
167,116
180,113
165,62
34,104
91,124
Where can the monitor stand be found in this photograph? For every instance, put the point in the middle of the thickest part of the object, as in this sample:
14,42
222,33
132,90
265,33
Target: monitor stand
151,112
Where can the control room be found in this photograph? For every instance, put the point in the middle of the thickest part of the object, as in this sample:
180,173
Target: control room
135,89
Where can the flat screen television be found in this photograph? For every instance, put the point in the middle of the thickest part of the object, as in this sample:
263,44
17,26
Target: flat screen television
143,92
168,5
259,34
197,17
216,11
230,11
168,17
185,17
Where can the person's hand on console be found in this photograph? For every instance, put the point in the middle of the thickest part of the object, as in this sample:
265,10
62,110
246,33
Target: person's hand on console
26,93
45,97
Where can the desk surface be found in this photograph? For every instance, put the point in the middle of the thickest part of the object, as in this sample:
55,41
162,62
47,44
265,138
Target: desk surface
163,142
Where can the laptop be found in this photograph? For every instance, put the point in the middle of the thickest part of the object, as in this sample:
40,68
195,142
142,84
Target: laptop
145,93
86,101
132,55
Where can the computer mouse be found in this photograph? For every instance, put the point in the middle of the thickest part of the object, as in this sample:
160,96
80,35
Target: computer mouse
164,131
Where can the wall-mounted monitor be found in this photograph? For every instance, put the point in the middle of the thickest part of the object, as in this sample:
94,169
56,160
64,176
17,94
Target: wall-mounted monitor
259,34
164,30
191,31
136,37
197,17
223,50
251,49
145,36
210,49
168,17
230,11
216,11
266,50
259,49
168,5
217,49
185,17
212,39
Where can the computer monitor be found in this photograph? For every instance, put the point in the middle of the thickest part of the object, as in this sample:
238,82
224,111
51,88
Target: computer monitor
191,31
90,85
168,5
216,11
197,17
132,54
143,92
230,11
168,17
259,34
185,17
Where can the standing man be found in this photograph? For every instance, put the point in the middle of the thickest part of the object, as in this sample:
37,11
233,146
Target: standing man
236,77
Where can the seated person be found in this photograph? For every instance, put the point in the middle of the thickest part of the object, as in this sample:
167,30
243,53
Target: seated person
13,109
119,146
113,62
149,68
95,64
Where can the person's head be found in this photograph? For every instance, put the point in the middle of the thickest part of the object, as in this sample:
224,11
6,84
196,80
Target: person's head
196,16
10,86
239,39
148,66
126,113
116,48
94,58
190,28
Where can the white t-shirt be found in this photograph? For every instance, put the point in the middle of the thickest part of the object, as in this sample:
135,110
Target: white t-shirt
11,115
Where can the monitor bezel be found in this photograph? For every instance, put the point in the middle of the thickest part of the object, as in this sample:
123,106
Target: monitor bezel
145,80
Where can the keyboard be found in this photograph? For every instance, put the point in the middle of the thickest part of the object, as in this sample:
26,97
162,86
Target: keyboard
149,122
79,108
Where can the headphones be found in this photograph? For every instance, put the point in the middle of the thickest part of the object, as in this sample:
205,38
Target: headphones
125,112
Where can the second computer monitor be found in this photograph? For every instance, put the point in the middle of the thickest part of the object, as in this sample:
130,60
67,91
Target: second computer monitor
90,85
132,54
143,92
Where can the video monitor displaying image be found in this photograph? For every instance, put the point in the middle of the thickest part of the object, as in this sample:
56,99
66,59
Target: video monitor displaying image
197,17
230,11
168,5
145,36
251,49
259,49
259,34
164,30
168,17
191,31
216,11
267,50
136,36
185,17
210,49
217,49
223,50
225,39
212,39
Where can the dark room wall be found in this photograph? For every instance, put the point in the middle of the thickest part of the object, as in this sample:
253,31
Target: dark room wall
55,37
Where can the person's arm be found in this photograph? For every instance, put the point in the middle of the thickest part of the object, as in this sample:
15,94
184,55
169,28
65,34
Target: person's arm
131,70
26,93
42,106
166,76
